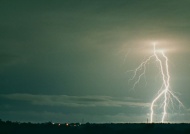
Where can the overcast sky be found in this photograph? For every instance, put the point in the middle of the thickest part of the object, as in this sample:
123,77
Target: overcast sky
69,60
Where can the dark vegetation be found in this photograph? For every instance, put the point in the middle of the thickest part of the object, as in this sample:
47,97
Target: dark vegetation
8,127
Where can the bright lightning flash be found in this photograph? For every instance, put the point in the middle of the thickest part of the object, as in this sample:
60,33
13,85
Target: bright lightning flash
165,94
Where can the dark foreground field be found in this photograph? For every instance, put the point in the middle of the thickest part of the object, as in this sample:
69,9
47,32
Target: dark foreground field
76,128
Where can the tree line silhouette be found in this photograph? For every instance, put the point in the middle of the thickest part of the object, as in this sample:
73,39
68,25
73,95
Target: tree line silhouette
9,127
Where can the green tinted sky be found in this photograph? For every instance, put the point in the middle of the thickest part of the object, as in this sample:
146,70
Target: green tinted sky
66,60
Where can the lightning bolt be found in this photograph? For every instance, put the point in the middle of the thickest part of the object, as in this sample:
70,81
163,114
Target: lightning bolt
165,94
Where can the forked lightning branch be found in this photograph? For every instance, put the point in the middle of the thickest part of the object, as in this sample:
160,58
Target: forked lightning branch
165,94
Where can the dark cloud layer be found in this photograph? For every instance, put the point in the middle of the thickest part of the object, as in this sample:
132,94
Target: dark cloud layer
74,101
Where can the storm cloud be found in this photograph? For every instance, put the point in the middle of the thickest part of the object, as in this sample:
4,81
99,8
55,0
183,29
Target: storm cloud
72,58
